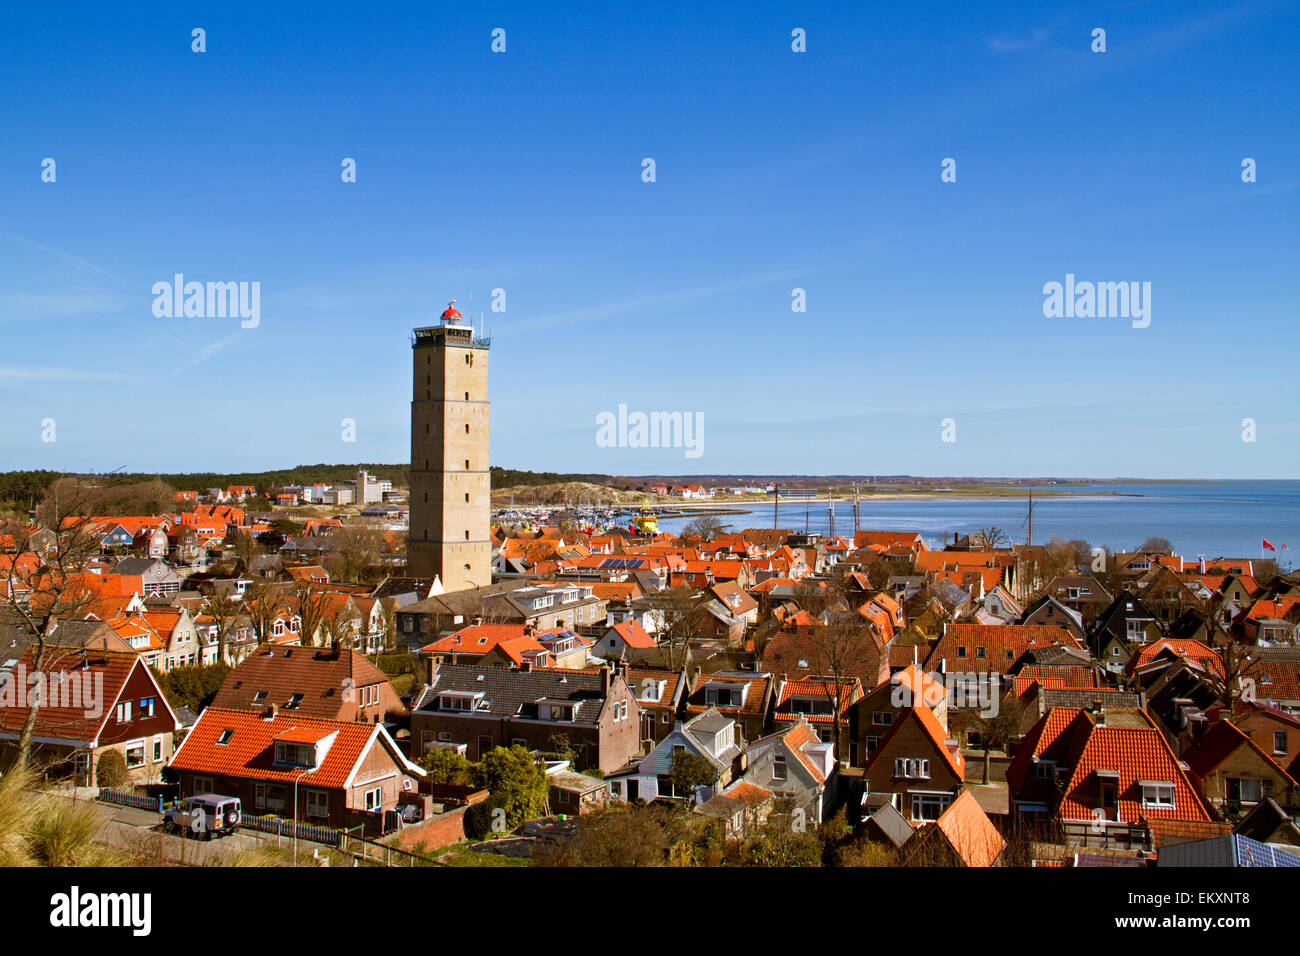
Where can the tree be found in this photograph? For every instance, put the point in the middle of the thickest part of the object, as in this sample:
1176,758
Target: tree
679,615
447,766
704,528
990,537
263,608
192,685
517,783
111,771
1156,545
223,609
839,652
998,726
313,608
689,772
41,591
621,835
355,549
782,841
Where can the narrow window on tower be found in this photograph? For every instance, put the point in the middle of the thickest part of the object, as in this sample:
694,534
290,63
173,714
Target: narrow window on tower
467,497
426,497
467,428
467,396
466,359
466,535
467,464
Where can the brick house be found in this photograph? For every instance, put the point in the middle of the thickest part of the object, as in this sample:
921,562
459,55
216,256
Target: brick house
593,711
343,773
917,767
1233,774
97,701
332,683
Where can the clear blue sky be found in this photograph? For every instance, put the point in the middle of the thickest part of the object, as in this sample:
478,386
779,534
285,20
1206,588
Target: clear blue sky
775,170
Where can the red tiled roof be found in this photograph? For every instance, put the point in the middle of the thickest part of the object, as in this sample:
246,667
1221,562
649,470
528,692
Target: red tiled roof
970,832
249,751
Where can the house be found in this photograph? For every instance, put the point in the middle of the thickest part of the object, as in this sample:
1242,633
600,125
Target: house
796,765
962,836
621,637
330,683
992,648
1107,776
573,792
590,712
741,808
1050,612
155,578
742,695
96,701
916,766
813,701
660,693
1121,626
1233,773
801,652
331,773
871,717
716,738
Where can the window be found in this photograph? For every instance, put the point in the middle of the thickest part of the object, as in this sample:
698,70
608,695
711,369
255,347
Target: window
318,803
158,749
929,806
124,712
882,718
912,768
1246,790
981,652
224,737
1279,741
146,706
259,697
135,754
961,650
778,767
1158,795
375,799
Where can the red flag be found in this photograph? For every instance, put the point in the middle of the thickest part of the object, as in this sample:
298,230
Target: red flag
1267,545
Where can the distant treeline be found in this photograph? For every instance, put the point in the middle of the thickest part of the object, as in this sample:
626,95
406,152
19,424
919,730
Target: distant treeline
510,477
24,487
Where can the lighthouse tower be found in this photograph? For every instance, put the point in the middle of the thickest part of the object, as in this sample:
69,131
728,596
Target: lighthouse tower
450,507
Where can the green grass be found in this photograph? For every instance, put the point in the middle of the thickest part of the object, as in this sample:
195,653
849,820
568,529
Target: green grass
460,854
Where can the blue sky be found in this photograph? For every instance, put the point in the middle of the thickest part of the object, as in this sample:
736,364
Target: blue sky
775,170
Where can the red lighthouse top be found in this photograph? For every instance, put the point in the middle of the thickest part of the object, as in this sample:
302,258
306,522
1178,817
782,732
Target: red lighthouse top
451,312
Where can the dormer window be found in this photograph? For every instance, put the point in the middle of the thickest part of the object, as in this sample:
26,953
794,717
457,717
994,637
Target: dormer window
294,754
1157,794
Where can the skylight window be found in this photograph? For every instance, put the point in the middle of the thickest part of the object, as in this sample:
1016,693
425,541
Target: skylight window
225,736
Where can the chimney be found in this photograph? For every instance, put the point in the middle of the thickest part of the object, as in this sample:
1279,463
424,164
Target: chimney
271,711
529,630
478,620
604,679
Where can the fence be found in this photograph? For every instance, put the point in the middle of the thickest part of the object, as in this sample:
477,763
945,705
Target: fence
143,801
282,827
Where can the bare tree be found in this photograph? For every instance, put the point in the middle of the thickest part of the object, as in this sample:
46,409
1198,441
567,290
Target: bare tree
263,608
990,537
702,529
840,651
313,607
223,609
354,550
40,592
679,615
